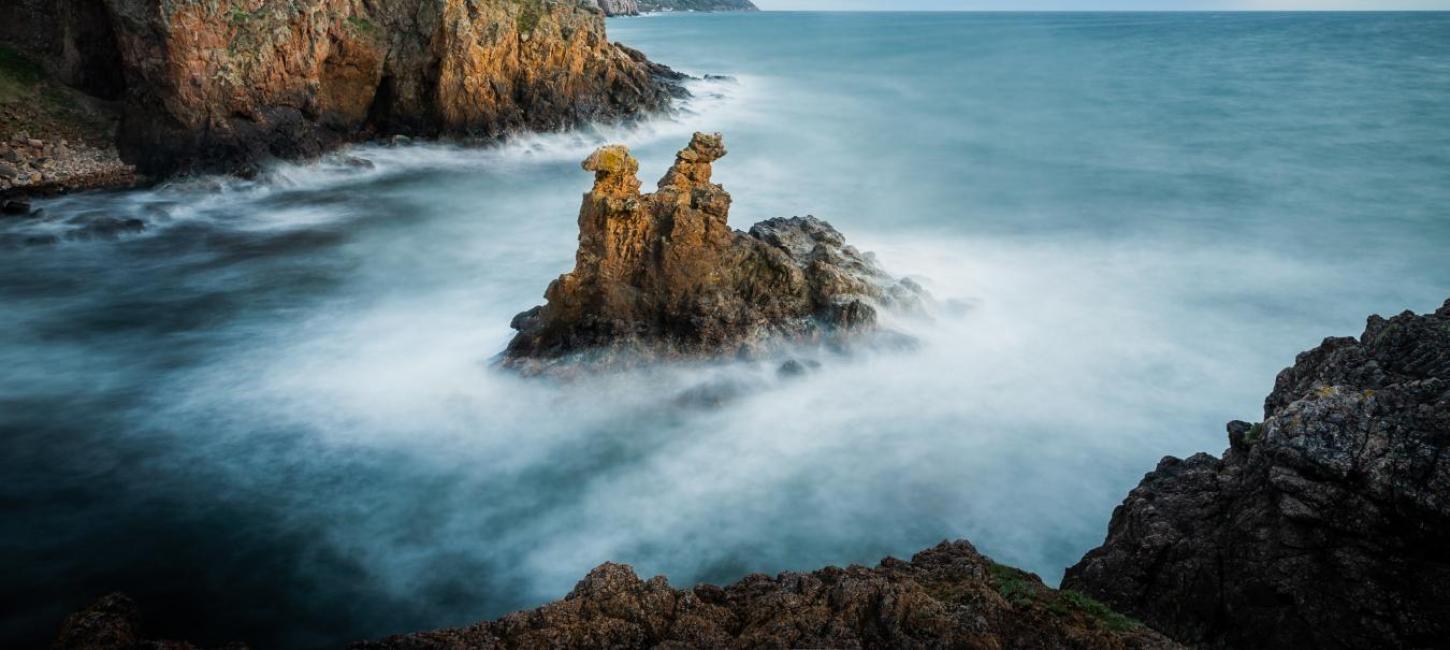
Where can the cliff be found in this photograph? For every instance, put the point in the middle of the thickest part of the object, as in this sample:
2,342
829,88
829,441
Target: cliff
696,5
617,7
663,276
218,85
1325,526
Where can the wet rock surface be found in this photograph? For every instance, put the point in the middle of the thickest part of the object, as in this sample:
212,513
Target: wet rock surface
949,596
663,276
1326,526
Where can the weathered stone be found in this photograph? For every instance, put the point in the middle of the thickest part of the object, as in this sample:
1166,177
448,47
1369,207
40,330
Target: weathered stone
663,276
1326,526
945,597
221,85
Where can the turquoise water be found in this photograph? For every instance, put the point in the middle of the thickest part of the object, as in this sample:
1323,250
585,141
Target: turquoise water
271,415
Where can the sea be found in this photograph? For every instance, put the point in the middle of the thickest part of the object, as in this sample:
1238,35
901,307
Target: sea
272,414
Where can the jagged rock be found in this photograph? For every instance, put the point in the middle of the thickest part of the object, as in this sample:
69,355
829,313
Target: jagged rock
220,85
1326,526
945,597
663,276
113,623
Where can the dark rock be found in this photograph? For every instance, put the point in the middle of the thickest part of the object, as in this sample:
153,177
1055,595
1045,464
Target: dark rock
106,228
945,597
663,276
114,623
1326,526
15,206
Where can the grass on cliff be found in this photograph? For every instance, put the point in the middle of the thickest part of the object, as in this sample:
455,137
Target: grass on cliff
18,76
1025,590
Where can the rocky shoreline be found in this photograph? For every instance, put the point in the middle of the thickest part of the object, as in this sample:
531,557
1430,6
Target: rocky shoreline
225,86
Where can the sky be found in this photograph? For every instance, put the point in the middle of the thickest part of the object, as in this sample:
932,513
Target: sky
1090,5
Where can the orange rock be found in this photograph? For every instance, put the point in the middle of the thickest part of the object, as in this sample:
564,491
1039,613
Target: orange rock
663,276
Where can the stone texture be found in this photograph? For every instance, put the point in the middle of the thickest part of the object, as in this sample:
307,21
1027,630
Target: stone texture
220,84
1326,526
617,7
663,276
945,597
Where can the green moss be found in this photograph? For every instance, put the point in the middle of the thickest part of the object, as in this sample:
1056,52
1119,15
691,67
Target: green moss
1023,589
1255,433
18,75
239,15
1098,612
361,25
530,13
1013,584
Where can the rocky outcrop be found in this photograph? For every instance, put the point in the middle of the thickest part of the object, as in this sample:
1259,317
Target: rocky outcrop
1325,526
651,6
113,623
946,597
216,85
617,7
663,276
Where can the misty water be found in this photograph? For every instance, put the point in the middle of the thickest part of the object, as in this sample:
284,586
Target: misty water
271,415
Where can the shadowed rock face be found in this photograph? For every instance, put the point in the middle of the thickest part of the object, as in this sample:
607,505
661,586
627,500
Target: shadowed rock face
217,85
1326,526
663,276
945,597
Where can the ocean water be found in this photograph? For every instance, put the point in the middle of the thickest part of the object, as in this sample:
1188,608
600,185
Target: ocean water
271,416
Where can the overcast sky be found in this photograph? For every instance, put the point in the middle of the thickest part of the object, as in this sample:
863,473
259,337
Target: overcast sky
1029,5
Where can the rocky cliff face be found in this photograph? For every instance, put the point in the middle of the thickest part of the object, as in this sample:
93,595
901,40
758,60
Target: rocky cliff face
663,276
617,7
946,597
697,5
1326,526
209,85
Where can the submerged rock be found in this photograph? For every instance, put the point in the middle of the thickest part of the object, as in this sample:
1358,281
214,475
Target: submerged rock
949,596
663,276
1326,526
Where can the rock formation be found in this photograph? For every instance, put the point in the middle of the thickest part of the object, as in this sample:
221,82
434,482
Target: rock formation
113,623
945,597
663,276
696,5
1326,526
617,7
214,85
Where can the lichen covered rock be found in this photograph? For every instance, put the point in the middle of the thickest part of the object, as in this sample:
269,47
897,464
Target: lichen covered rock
1325,526
663,276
